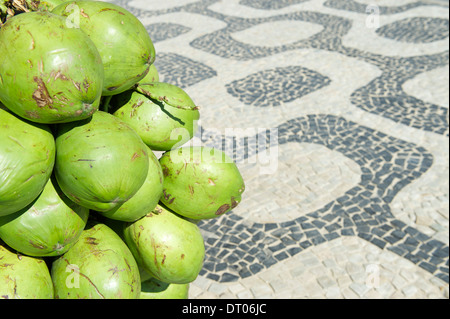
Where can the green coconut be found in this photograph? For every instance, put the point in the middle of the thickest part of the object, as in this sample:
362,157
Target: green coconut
156,289
147,197
168,247
124,44
162,114
98,266
152,75
100,162
27,157
23,277
48,227
50,73
200,182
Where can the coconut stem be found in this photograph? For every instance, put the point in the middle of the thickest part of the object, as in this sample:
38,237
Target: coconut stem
21,5
10,8
105,104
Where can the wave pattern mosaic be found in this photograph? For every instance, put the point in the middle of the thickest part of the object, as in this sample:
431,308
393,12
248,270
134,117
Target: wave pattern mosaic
355,93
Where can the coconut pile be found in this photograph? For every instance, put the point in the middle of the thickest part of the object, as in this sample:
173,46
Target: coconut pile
87,210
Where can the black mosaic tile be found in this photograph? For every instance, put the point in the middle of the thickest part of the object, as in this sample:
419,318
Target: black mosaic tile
318,224
331,236
426,248
227,277
441,253
288,224
223,253
391,239
333,227
270,4
433,260
212,276
270,261
276,248
293,251
258,236
378,232
378,242
364,235
348,222
424,256
244,236
256,268
411,241
209,266
249,259
180,70
296,236
281,256
211,241
269,227
317,240
312,233
279,232
437,244
384,95
398,225
287,241
307,226
272,88
397,250
443,277
417,259
305,244
163,31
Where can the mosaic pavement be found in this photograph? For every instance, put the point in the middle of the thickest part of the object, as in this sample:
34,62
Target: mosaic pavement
336,112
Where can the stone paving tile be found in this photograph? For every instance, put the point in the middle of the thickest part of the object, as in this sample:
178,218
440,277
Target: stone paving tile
375,274
347,184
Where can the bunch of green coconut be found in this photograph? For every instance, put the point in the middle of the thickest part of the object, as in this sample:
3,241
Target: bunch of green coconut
87,207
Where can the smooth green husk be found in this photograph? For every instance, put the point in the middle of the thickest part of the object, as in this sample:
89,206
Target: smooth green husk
156,289
200,182
50,73
167,246
163,114
124,44
27,157
23,277
48,227
147,197
100,162
98,266
152,75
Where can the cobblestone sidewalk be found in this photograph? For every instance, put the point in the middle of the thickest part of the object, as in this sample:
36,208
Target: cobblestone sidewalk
336,112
